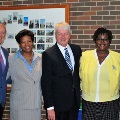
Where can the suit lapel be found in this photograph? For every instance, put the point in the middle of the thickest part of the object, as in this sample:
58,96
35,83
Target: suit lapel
74,53
35,72
59,54
61,58
22,65
37,69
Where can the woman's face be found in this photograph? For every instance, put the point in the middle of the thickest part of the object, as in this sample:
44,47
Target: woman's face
102,42
26,44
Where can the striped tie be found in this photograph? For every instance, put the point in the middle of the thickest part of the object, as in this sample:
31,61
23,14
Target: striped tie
68,60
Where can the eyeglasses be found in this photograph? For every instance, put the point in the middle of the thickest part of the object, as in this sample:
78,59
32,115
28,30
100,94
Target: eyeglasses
102,39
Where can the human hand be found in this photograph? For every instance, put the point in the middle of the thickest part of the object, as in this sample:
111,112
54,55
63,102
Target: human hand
51,114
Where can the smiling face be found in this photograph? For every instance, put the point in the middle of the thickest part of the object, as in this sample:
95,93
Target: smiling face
102,42
2,33
26,44
62,37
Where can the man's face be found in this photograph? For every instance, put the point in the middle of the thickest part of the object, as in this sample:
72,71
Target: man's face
2,33
62,37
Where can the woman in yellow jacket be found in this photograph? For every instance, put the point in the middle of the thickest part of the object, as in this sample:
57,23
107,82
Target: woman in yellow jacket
100,79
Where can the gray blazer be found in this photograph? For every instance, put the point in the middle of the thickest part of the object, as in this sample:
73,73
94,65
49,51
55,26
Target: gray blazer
26,86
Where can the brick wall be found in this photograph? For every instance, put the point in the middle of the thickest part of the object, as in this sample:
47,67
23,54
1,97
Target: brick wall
85,17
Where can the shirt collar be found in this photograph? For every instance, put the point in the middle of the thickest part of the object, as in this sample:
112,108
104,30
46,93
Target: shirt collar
95,52
1,49
62,48
19,55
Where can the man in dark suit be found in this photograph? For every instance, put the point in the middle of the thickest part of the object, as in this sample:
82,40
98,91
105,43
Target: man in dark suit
60,78
3,69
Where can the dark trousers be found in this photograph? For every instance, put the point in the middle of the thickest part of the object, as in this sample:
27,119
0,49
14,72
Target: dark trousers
72,114
1,112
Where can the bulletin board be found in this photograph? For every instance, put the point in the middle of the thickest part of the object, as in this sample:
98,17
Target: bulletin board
39,19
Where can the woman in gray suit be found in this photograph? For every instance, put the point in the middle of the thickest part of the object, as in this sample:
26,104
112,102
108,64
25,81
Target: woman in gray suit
25,69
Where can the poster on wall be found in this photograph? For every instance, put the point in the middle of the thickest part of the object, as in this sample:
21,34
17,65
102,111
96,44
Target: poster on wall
40,20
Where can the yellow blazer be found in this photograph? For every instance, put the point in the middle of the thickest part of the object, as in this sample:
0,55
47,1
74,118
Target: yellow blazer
88,62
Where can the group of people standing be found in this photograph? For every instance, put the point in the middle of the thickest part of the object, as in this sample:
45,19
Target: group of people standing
58,75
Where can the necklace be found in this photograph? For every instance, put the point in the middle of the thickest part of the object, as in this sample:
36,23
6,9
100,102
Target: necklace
102,56
101,59
28,57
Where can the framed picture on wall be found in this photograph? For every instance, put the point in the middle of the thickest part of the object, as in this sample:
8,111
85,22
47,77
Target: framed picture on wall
40,20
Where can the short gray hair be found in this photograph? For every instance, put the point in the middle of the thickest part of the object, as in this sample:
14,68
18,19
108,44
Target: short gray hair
62,25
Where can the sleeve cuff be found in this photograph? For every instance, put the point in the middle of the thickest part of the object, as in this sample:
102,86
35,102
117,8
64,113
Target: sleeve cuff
50,108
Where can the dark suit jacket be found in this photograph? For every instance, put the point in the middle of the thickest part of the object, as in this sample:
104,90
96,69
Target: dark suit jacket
57,79
3,85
